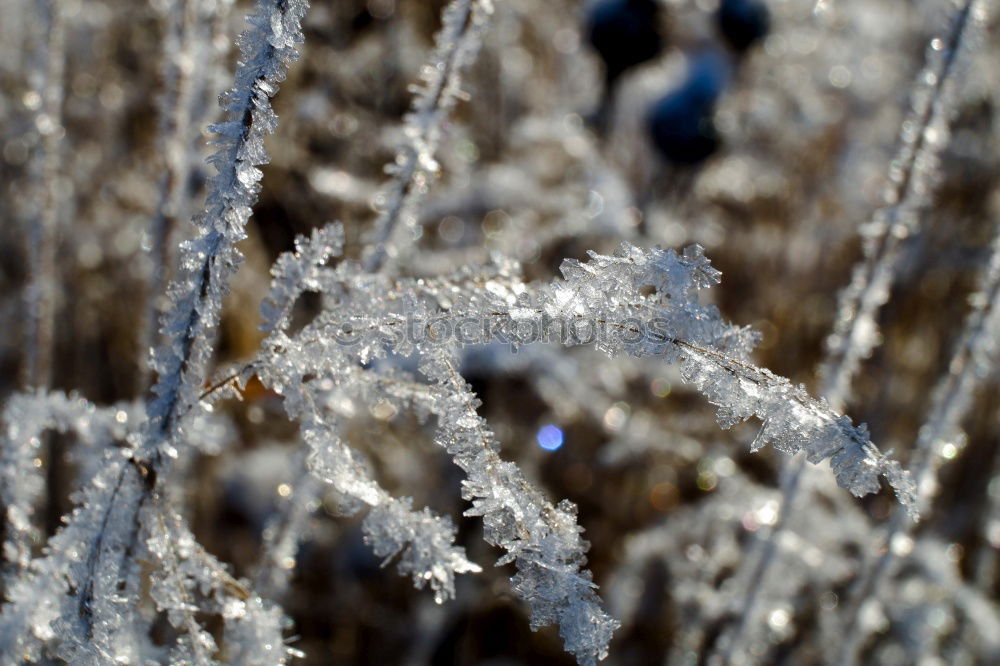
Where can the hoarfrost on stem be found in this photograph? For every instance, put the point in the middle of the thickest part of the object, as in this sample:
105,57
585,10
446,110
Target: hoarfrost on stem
456,47
210,259
70,598
646,303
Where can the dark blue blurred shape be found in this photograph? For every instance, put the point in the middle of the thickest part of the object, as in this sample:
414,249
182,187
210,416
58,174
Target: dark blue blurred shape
624,33
680,122
743,22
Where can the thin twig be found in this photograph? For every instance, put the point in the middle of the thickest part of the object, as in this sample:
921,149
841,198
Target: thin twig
463,22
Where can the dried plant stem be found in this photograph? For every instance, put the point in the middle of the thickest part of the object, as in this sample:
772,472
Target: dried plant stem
950,402
213,257
174,142
923,137
912,174
458,42
44,232
107,525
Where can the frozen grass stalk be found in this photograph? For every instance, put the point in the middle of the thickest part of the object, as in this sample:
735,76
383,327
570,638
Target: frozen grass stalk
43,234
175,141
457,44
912,176
209,260
924,136
972,360
105,527
541,539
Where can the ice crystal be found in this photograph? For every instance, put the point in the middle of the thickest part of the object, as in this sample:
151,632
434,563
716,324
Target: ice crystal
639,302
